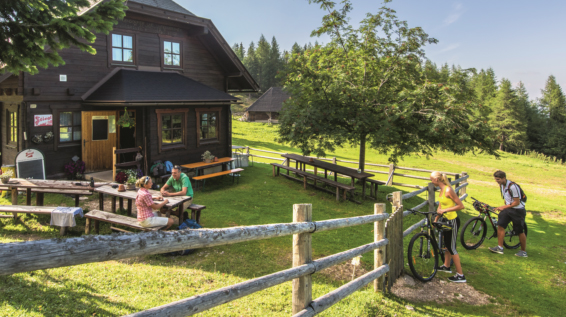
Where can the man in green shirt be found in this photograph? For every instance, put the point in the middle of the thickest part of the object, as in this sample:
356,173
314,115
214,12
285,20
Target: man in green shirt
180,183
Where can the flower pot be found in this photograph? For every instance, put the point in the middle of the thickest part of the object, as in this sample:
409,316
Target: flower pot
131,186
208,160
5,179
121,188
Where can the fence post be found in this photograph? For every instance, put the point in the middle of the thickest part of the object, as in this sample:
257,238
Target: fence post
288,164
379,254
463,190
302,254
431,197
458,183
113,163
390,178
397,238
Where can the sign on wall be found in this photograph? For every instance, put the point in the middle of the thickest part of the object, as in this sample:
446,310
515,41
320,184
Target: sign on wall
30,164
43,120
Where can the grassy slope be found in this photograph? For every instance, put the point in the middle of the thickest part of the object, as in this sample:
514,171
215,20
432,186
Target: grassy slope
120,287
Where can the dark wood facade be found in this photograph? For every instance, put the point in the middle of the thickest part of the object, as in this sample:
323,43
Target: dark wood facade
205,58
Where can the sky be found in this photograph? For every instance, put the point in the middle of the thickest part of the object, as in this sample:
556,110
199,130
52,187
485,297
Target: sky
521,40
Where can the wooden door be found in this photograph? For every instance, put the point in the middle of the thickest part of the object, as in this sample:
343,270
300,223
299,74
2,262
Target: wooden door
99,137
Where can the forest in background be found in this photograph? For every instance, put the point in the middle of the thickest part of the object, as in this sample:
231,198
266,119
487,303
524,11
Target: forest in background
521,124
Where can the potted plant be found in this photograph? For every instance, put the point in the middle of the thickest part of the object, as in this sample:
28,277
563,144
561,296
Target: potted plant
125,121
5,176
75,169
132,178
121,177
207,157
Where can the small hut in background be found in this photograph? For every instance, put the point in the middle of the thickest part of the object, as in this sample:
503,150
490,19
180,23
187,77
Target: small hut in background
267,107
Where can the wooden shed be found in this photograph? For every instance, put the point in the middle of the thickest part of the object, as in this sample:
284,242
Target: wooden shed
172,70
268,106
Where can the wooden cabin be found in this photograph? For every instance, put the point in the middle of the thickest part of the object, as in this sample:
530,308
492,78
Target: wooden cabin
268,106
172,70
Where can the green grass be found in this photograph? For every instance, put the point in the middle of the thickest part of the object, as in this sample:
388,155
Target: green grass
115,288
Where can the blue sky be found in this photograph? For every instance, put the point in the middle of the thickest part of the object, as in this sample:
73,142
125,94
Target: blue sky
521,40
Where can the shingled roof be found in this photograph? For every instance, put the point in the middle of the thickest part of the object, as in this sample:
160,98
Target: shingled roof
125,85
165,4
271,101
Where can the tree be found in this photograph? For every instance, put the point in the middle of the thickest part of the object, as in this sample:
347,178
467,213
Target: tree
536,132
508,118
367,87
239,51
251,62
262,54
553,105
32,32
485,86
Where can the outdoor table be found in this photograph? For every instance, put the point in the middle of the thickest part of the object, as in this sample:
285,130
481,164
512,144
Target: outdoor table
130,195
239,151
199,166
303,160
30,184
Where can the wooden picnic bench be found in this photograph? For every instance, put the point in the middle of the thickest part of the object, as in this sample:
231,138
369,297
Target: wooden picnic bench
315,178
40,191
373,184
97,215
207,176
19,209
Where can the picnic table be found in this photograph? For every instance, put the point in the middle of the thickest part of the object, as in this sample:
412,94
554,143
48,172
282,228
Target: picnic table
130,195
45,186
199,166
302,161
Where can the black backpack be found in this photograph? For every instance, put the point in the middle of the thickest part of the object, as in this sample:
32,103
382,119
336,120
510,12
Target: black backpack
522,195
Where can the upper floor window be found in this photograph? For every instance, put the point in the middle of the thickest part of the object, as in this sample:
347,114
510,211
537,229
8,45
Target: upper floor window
171,54
12,127
122,48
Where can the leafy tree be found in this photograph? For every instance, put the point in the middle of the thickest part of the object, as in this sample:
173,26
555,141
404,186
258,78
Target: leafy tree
553,105
367,87
508,118
32,32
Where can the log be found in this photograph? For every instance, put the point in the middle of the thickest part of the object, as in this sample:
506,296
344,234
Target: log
203,302
378,254
422,170
332,224
413,228
461,179
406,185
431,199
415,193
324,302
460,187
417,207
412,176
391,173
302,254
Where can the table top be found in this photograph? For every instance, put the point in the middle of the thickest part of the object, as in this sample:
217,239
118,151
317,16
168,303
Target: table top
221,160
131,194
47,184
329,166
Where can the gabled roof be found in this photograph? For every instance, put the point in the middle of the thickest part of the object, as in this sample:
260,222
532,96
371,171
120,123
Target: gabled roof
165,4
271,101
126,85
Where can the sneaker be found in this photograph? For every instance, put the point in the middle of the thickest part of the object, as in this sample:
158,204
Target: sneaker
522,254
457,278
496,249
445,269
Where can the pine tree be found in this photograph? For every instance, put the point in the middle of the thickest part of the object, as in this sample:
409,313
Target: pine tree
28,28
275,63
239,50
296,49
508,119
536,122
553,106
262,54
251,62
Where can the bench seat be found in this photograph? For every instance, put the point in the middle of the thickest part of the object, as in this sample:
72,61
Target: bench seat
305,175
20,209
41,191
373,184
98,215
207,176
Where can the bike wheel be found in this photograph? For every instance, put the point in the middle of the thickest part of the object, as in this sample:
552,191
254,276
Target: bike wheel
473,233
511,240
423,257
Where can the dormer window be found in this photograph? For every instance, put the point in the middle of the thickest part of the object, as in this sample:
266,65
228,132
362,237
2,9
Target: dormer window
171,53
122,48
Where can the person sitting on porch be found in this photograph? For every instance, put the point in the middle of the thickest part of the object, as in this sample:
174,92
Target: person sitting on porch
180,183
144,202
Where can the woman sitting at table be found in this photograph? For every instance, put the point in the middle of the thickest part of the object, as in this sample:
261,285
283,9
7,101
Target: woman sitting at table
147,218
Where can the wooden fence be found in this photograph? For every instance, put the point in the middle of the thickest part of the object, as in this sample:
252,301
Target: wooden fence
391,169
45,254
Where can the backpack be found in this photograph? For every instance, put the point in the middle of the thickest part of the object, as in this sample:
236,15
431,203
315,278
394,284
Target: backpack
187,224
522,195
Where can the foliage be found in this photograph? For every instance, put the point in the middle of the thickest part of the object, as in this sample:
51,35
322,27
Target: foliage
132,176
553,105
74,169
121,177
125,120
262,62
367,85
7,173
33,32
508,118
207,156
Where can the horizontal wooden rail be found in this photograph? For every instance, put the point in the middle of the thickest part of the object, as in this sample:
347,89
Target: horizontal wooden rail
459,180
324,302
412,176
267,157
266,151
415,193
44,254
407,185
418,224
378,172
202,302
460,187
422,170
417,207
413,228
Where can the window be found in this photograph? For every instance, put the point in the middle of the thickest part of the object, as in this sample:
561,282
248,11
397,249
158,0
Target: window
122,48
171,54
172,128
69,127
208,125
12,127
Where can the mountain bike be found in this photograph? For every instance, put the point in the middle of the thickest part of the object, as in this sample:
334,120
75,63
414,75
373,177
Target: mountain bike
423,252
475,230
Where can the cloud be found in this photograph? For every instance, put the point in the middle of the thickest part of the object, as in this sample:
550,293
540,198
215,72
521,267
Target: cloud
449,48
455,14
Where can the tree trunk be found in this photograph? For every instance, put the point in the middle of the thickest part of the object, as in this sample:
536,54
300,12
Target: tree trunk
362,153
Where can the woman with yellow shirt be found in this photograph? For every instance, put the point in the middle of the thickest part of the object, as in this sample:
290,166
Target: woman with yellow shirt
449,204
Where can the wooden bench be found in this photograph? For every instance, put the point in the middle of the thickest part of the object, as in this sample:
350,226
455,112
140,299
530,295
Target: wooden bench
195,213
96,216
39,194
315,178
207,176
373,184
37,210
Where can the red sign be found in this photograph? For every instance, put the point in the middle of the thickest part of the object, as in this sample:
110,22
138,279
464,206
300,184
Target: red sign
43,120
29,153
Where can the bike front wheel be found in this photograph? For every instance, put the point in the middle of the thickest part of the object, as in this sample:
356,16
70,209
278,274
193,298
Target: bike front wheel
511,240
473,233
423,257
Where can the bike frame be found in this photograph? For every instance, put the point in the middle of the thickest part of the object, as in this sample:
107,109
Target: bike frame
431,231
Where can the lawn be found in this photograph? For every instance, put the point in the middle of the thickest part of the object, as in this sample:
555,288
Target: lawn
531,286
